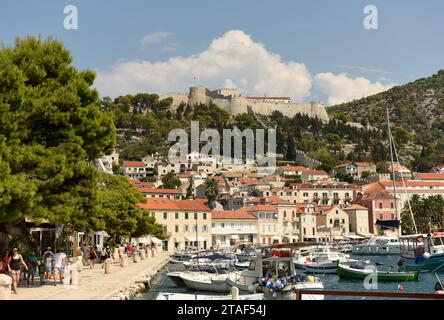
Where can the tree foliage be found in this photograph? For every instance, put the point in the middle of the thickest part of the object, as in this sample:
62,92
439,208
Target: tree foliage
51,126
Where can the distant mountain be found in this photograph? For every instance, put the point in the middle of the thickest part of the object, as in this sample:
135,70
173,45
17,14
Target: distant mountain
416,111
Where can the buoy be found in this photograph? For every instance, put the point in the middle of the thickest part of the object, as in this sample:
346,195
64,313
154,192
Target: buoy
400,287
426,255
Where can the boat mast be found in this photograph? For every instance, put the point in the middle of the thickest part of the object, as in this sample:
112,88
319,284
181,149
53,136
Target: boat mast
402,177
389,132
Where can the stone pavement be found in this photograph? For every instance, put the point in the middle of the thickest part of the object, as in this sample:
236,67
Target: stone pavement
94,284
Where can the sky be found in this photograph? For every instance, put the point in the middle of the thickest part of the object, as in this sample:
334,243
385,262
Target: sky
305,49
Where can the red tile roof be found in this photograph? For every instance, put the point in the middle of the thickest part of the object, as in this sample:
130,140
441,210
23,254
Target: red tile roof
173,205
293,168
430,176
160,191
239,214
133,164
317,172
260,207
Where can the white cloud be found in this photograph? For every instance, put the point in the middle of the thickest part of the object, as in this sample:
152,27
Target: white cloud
232,60
341,88
153,38
233,56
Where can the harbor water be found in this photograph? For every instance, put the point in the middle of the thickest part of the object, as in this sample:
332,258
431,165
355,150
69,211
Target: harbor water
426,283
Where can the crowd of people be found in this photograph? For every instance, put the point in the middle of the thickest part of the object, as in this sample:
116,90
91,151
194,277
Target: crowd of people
50,267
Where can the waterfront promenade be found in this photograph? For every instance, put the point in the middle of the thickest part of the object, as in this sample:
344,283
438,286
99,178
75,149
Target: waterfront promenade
95,284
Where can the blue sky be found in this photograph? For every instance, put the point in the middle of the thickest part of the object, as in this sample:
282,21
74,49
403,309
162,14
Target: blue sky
326,37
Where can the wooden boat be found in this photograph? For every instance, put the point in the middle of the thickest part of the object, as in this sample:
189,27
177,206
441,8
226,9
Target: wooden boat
355,272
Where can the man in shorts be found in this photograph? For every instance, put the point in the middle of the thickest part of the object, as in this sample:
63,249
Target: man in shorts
59,265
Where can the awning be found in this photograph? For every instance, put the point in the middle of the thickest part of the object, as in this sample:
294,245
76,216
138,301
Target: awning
155,240
388,224
338,238
194,239
234,237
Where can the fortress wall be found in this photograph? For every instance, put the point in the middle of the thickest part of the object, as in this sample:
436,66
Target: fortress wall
198,95
238,104
291,109
178,98
224,104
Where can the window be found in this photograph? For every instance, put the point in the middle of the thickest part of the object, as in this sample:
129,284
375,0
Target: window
185,228
204,216
176,215
305,231
222,225
186,215
305,194
343,221
176,229
165,228
204,228
313,230
285,214
222,239
337,211
392,205
165,215
195,216
380,205
393,216
213,225
331,221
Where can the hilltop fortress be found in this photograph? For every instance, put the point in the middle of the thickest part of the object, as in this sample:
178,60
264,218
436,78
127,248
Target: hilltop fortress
234,102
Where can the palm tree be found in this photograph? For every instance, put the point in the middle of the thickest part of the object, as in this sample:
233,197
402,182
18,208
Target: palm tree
211,192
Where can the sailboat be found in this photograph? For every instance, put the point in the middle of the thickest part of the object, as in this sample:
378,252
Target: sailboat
419,252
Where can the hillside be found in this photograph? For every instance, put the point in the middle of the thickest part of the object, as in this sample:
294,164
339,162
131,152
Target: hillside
417,113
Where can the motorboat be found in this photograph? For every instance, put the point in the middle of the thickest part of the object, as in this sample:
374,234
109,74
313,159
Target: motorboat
274,274
360,272
325,262
422,252
379,245
206,282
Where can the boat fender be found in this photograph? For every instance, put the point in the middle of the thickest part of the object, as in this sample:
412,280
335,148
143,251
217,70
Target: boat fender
426,255
311,279
251,288
400,287
308,259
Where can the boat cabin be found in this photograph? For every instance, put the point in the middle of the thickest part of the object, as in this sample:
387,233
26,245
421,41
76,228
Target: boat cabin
433,244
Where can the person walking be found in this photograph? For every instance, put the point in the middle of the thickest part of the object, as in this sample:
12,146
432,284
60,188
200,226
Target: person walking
59,265
15,263
32,268
92,257
103,256
47,260
4,269
121,253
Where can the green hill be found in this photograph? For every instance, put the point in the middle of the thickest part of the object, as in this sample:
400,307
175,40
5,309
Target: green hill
417,114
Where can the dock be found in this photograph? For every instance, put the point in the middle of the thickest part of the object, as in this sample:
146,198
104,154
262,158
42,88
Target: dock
121,284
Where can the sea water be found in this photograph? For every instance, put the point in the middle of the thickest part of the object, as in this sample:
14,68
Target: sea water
426,283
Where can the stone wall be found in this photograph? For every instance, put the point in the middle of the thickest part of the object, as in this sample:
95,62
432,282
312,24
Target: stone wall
237,103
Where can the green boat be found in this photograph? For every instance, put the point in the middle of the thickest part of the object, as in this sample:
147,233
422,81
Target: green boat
358,272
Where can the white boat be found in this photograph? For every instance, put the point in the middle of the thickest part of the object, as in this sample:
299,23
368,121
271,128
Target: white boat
276,277
379,246
206,281
190,296
324,261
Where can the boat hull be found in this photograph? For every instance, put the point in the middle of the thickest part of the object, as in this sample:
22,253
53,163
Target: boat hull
320,268
434,264
350,273
210,286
